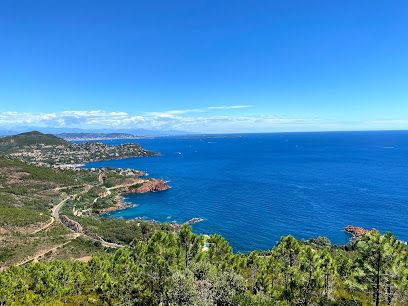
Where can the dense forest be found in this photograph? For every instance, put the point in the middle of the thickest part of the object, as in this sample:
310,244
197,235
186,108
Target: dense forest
181,268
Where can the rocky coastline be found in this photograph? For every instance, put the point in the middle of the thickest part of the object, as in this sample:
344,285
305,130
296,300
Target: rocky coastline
138,186
150,185
356,231
120,205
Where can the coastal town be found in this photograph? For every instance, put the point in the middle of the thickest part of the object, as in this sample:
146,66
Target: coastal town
52,151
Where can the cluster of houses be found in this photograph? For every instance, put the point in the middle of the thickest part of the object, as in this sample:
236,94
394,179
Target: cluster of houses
72,156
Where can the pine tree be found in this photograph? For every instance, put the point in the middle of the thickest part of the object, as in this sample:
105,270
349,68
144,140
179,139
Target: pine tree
220,252
287,252
378,259
310,276
328,268
190,244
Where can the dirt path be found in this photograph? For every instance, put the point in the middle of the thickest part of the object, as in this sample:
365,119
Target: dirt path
105,243
67,187
54,216
45,226
41,253
111,245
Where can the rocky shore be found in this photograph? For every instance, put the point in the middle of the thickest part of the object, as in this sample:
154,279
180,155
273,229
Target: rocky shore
176,226
150,185
356,231
133,186
120,205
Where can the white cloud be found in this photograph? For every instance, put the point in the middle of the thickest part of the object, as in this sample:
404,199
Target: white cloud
391,122
230,106
194,120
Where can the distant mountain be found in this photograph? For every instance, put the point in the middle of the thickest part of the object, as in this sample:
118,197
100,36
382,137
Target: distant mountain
27,139
153,133
96,136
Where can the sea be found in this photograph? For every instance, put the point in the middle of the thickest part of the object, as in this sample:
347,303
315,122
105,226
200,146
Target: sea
254,188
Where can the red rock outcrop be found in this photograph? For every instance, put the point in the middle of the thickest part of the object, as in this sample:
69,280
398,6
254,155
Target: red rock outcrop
150,185
356,231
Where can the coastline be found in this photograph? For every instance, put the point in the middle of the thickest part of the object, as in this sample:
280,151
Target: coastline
155,185
147,186
192,198
120,205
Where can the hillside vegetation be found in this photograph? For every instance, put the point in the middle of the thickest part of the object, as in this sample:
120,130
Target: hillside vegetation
9,143
29,192
175,269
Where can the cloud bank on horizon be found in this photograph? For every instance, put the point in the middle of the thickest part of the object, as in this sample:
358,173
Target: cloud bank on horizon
198,120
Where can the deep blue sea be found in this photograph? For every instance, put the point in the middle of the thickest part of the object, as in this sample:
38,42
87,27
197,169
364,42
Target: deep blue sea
254,188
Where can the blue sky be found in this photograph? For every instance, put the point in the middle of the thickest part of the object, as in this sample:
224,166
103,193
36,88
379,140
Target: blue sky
211,66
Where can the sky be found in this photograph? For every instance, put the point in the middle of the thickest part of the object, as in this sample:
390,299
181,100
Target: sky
204,66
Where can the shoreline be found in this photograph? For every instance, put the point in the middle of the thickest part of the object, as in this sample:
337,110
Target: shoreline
123,205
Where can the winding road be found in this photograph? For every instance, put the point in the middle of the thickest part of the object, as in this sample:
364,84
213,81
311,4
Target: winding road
44,252
55,212
56,209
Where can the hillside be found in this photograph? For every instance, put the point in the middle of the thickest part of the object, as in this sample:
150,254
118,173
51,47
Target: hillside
30,200
27,193
180,268
10,143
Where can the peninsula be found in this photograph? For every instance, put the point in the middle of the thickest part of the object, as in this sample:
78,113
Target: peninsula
49,150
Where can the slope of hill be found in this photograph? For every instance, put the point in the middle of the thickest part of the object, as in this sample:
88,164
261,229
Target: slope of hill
31,197
9,143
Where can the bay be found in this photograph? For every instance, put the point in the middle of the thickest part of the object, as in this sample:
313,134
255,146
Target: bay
254,188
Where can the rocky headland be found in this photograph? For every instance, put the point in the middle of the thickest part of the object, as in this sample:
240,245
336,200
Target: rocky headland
148,185
356,231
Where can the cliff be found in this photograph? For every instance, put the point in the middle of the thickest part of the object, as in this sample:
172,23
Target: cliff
356,231
150,185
